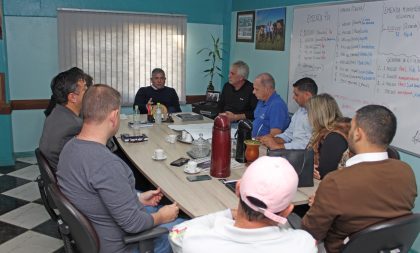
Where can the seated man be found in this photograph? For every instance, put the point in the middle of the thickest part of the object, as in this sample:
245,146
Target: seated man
157,92
371,189
265,193
299,132
101,185
53,102
64,122
237,100
271,115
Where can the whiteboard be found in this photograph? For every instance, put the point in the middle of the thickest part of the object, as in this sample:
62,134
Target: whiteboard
363,53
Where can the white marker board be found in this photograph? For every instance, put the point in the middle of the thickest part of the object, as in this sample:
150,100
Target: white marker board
363,53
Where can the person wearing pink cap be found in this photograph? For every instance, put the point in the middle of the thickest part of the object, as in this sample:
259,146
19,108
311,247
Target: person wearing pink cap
265,191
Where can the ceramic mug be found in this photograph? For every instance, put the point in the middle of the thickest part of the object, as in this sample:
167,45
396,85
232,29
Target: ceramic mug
184,134
191,167
159,153
188,137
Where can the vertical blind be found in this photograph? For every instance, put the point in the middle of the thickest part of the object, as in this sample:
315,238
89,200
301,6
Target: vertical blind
121,49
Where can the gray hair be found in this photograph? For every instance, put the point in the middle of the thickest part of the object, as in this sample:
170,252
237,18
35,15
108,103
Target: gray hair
243,68
267,80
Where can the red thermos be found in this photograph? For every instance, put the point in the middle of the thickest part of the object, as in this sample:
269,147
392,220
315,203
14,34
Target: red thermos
220,148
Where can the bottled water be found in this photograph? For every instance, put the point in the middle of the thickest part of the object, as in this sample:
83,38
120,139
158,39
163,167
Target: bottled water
158,115
136,115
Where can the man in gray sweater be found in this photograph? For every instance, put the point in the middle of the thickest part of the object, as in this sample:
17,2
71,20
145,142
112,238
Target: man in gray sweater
101,185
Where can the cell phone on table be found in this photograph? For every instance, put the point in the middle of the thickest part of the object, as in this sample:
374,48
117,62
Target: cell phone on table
179,162
198,178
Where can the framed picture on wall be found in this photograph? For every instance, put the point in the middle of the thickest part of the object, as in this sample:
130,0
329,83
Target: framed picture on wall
270,29
245,26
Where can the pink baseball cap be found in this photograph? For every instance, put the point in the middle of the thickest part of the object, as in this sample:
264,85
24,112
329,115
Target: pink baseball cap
273,181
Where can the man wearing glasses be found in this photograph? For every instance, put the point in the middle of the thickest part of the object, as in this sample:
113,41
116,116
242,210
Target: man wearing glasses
63,123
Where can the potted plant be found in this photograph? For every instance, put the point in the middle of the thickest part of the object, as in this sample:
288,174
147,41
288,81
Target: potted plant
214,57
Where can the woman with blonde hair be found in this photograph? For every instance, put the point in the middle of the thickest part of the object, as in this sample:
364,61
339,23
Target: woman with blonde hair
329,133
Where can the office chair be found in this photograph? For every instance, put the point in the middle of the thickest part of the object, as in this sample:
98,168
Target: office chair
45,178
393,153
394,235
80,236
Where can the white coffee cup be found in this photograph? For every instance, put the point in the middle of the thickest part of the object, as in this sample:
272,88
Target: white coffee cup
171,138
159,153
188,138
191,167
184,134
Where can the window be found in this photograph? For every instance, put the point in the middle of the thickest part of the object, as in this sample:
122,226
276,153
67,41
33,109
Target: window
121,49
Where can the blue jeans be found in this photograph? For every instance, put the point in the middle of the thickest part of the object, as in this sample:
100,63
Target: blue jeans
161,243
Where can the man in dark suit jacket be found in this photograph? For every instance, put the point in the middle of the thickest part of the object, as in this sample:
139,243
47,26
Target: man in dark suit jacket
370,189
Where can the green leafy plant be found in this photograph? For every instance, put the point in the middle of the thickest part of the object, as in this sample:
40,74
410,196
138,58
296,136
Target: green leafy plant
214,57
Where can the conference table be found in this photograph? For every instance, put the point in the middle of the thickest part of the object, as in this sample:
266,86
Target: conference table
193,198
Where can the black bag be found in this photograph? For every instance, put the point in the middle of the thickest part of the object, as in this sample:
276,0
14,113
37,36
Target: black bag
303,162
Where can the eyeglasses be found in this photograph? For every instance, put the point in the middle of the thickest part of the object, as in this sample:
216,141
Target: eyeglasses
80,90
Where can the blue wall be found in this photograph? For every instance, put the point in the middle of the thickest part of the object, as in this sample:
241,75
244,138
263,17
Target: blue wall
206,12
6,141
277,63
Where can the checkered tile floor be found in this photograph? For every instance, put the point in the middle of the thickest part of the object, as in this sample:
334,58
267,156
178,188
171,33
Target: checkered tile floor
25,226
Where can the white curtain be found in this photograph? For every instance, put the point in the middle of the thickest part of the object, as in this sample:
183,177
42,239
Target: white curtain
121,49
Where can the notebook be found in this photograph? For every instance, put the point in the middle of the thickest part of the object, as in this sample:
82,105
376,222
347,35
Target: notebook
189,116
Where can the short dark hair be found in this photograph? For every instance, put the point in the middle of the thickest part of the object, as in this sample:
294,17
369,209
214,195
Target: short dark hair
89,80
65,83
250,213
99,100
378,122
306,84
158,71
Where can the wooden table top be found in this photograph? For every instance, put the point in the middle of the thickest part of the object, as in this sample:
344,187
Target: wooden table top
194,198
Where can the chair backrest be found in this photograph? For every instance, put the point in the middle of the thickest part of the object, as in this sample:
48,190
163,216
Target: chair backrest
393,153
47,173
79,227
47,177
398,233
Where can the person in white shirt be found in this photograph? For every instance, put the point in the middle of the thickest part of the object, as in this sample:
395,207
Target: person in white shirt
258,225
299,132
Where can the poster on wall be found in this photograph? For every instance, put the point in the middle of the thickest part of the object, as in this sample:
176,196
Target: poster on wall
245,26
270,28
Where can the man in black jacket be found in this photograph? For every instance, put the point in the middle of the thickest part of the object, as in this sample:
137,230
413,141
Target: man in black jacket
157,92
237,100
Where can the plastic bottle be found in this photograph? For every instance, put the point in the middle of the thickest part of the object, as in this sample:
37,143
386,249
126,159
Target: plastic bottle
158,115
136,115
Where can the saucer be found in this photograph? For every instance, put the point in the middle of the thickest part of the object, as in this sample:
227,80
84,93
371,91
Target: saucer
197,170
159,159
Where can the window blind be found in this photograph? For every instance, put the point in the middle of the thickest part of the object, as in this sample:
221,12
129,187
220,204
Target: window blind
121,49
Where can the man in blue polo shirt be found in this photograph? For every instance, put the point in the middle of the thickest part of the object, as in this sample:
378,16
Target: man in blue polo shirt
271,115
